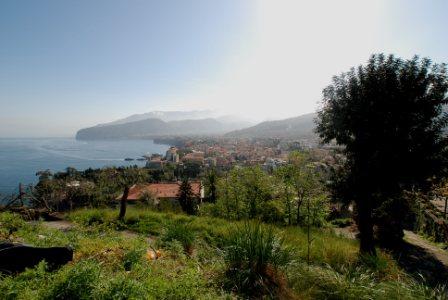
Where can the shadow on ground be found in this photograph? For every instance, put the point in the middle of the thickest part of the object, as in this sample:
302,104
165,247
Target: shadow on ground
418,262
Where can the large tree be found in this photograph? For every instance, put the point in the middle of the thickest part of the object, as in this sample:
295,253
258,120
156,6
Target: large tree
388,116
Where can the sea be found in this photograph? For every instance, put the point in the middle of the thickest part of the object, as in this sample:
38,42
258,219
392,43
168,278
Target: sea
21,159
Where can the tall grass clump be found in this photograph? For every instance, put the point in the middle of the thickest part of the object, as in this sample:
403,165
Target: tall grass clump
10,223
254,255
89,217
75,282
180,232
121,287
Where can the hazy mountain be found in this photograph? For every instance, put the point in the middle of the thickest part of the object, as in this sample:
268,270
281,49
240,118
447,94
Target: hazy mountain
297,127
165,116
163,123
155,128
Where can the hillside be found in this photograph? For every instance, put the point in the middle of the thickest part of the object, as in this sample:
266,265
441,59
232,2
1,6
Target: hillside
297,127
165,116
154,128
154,255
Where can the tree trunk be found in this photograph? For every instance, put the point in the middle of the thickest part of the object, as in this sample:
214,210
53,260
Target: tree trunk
299,205
308,230
288,206
365,226
446,204
123,202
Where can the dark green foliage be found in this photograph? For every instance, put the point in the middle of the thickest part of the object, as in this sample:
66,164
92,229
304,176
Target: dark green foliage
273,212
10,223
181,232
210,184
90,188
389,117
243,192
122,288
254,254
342,222
131,258
75,283
186,197
191,169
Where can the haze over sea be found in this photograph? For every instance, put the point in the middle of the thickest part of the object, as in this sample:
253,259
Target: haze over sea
20,159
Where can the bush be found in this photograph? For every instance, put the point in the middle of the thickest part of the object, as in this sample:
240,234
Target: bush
75,282
253,256
131,258
10,223
122,288
89,217
181,232
273,212
342,222
210,210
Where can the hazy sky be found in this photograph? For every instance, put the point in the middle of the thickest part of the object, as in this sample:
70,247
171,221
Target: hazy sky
67,64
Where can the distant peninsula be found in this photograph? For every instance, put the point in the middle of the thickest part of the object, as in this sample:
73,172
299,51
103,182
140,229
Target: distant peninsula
159,124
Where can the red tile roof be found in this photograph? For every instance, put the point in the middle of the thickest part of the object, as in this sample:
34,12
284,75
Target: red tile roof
160,190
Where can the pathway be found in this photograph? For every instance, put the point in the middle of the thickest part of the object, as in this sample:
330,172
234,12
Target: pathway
65,225
416,256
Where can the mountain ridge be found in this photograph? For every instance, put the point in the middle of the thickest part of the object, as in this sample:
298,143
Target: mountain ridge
150,128
296,127
227,126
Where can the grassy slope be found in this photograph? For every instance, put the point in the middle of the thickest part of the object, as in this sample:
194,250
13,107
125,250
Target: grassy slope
109,264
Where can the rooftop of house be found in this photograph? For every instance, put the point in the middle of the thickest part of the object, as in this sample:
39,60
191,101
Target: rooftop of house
160,190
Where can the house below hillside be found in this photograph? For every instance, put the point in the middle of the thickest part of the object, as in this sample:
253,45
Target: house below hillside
161,192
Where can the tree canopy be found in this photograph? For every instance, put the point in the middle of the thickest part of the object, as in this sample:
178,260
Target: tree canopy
389,116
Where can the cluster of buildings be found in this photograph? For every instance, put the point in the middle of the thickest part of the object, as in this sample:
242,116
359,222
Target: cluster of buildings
223,154
172,157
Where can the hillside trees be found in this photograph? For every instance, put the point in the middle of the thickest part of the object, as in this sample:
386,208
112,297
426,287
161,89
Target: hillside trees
302,184
244,191
210,185
388,116
186,197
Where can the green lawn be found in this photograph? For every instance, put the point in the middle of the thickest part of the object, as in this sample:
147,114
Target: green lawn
112,263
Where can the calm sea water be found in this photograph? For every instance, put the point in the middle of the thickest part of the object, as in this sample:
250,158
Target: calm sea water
20,159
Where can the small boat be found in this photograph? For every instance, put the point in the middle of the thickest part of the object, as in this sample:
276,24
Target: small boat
141,159
128,159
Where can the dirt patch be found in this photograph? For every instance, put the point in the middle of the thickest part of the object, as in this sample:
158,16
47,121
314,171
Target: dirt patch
132,234
349,232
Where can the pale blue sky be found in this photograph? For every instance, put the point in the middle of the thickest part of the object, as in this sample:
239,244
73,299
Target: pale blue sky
69,64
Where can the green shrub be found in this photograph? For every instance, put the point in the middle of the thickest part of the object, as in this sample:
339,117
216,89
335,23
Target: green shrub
324,282
10,223
122,288
210,210
25,285
253,255
374,263
181,232
75,282
89,217
175,249
131,258
273,212
342,222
